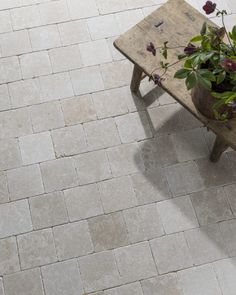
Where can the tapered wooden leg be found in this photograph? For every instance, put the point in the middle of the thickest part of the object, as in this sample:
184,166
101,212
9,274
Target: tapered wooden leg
136,79
219,147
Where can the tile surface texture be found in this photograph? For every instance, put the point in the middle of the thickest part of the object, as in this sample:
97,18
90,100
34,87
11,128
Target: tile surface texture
102,192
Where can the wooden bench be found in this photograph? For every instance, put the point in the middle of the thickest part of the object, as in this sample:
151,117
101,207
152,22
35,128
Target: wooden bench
176,22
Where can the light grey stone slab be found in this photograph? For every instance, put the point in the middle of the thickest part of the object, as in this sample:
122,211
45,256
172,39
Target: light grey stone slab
135,262
48,210
107,128
111,102
26,282
1,287
206,244
46,116
5,23
171,253
133,127
92,167
199,280
127,19
228,232
125,159
177,214
79,9
99,271
25,17
10,156
230,191
151,186
143,223
110,7
164,285
9,260
108,231
62,278
59,174
226,272
211,206
117,194
25,182
5,103
134,288
72,240
36,248
4,193
83,202
54,12
79,109
10,70
69,141
15,218
36,148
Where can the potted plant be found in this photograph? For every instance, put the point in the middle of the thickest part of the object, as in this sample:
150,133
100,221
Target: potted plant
209,68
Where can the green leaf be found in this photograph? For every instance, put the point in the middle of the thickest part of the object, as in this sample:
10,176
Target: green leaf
204,73
188,64
191,81
203,29
222,95
205,82
233,33
220,78
196,39
182,73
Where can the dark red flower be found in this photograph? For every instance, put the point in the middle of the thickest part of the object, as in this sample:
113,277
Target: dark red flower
209,7
228,65
157,79
151,48
190,49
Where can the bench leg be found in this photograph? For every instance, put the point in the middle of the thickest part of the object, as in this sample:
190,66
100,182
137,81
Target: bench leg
136,79
219,147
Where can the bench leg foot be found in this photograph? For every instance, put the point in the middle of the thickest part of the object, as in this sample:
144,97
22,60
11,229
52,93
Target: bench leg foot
136,79
219,147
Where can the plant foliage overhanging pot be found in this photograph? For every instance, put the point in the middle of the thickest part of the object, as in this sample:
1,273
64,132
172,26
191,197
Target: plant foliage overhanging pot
209,68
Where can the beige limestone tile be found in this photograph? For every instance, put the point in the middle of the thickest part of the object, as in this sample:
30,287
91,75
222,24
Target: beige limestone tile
107,128
44,37
177,214
62,278
135,262
143,223
4,192
117,194
108,231
5,21
14,43
35,64
165,284
24,93
69,141
58,174
48,210
25,17
9,154
36,248
46,116
81,9
25,182
5,102
65,58
10,4
78,110
26,282
36,148
72,240
171,253
9,260
83,202
92,167
54,12
10,214
10,69
110,6
99,271
134,288
116,55
127,19
74,32
211,206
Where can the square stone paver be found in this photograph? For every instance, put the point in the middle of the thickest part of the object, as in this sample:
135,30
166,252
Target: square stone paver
134,288
48,210
143,223
171,253
230,191
62,278
9,260
117,194
26,282
99,271
36,148
228,232
83,202
72,240
135,262
4,193
36,248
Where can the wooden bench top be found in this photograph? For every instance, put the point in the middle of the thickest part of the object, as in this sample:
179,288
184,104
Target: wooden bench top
181,22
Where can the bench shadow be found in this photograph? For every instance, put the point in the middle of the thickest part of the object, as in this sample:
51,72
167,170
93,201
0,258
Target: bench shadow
157,160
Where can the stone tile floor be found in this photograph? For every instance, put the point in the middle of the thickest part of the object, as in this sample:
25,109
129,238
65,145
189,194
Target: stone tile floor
100,192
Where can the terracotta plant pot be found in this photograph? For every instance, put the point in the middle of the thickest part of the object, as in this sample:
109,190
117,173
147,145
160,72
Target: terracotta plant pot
204,102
